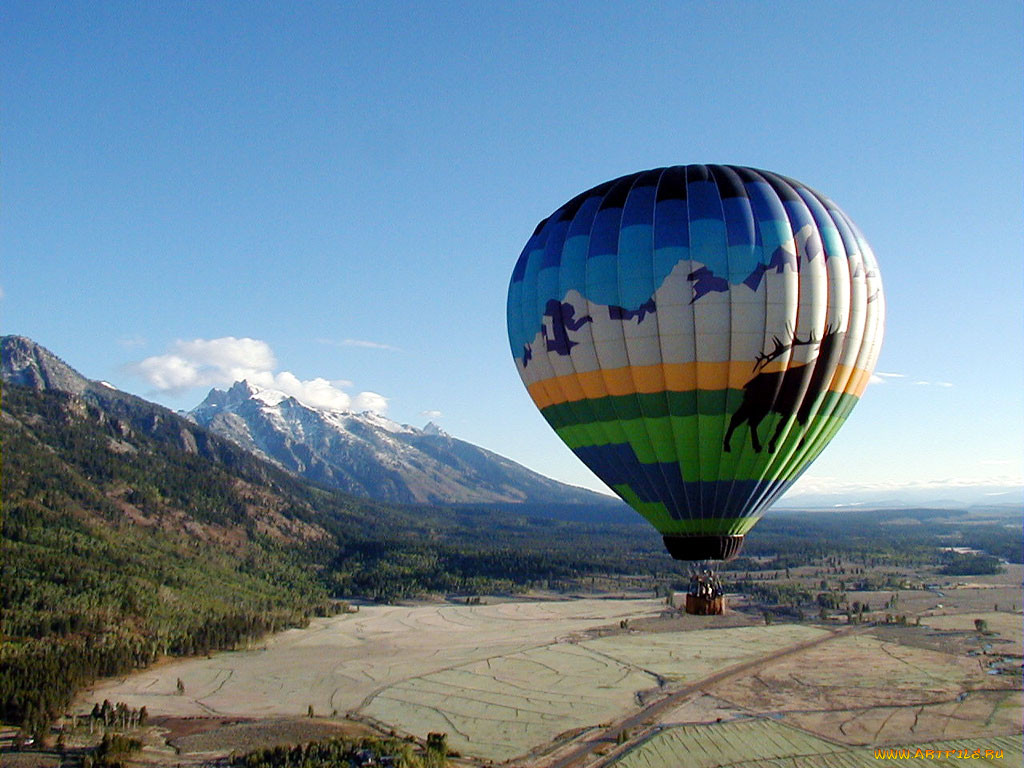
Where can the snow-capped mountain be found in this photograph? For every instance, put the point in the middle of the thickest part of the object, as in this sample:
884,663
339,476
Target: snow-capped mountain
370,455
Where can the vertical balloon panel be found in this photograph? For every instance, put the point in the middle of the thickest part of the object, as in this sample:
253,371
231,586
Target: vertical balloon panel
799,385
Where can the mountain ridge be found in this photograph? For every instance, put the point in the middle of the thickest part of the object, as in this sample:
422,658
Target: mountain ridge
364,454
369,455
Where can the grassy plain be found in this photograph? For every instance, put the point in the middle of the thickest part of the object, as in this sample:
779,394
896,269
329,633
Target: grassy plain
339,663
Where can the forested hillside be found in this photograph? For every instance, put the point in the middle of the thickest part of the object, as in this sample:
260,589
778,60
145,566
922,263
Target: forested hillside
125,537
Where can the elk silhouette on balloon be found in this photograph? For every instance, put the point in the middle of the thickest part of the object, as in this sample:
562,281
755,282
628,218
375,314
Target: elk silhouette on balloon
785,392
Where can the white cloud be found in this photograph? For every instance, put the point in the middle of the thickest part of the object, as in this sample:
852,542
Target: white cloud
207,362
221,362
432,414
369,401
229,354
169,372
361,343
880,377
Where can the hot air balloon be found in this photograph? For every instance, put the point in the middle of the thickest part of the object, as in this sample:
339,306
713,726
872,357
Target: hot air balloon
696,335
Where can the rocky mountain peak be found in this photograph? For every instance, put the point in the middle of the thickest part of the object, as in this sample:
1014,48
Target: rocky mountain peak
26,363
432,429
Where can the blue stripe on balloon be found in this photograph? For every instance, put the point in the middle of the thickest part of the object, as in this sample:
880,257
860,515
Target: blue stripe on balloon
557,231
604,237
583,221
707,238
671,225
849,240
547,286
665,260
605,465
617,465
771,220
704,202
514,316
529,322
799,216
603,279
520,268
739,221
765,203
572,271
636,284
744,255
639,208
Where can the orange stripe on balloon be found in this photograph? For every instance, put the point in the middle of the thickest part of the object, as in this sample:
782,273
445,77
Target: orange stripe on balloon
859,378
675,377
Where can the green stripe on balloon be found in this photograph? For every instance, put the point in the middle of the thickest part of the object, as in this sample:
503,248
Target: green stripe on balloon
659,404
765,464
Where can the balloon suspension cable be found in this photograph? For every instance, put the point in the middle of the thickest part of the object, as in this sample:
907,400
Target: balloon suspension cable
704,581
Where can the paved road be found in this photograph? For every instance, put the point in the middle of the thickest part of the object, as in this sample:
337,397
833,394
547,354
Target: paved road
643,720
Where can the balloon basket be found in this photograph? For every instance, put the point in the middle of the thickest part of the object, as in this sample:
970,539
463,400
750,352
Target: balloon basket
705,606
705,596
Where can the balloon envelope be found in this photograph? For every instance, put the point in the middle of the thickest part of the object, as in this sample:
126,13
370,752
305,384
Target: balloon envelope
696,335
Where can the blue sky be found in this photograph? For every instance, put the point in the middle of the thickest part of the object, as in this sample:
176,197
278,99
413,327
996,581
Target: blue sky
348,185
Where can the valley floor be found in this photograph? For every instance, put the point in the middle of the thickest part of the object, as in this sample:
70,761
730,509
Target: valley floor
557,683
